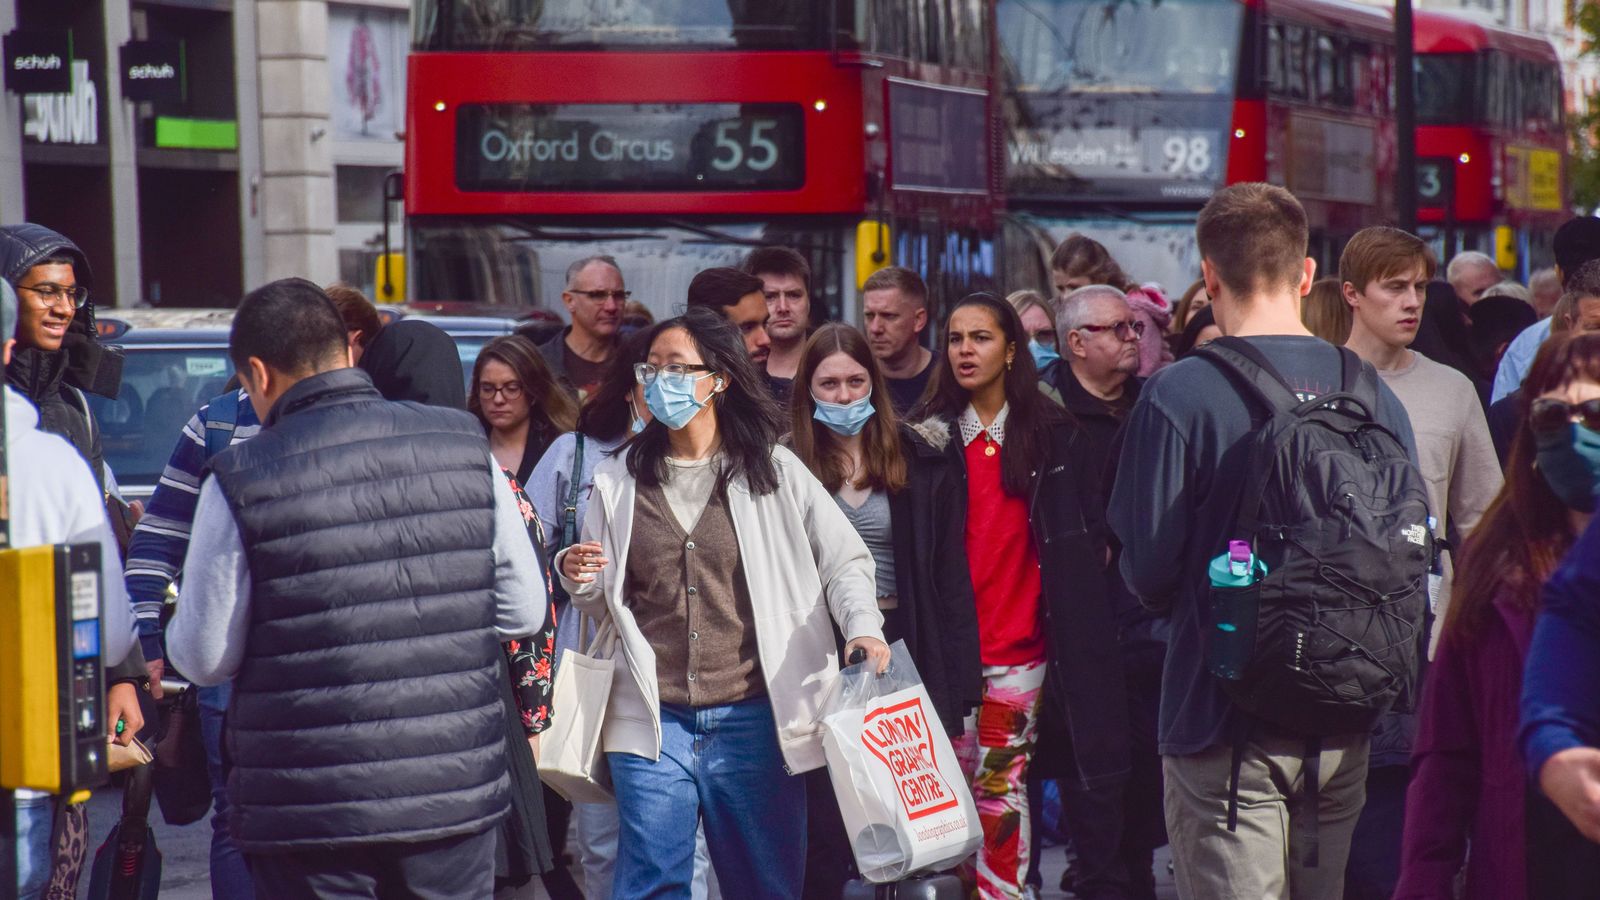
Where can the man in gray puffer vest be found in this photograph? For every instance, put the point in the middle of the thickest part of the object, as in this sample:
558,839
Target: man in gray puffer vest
353,570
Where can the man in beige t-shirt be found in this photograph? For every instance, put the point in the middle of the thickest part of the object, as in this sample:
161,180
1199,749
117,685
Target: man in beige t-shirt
1384,273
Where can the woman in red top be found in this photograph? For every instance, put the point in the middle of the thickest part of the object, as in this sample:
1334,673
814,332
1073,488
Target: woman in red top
1036,548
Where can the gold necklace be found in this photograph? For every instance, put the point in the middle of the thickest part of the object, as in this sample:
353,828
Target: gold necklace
988,444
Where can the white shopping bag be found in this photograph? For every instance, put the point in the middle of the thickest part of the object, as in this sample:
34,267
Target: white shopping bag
906,805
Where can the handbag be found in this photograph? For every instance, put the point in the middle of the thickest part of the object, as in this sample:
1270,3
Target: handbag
571,760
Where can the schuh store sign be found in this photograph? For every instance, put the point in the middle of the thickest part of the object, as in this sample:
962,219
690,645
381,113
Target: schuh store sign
38,62
152,71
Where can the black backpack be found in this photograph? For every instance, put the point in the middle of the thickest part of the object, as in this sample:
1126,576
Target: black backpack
1339,514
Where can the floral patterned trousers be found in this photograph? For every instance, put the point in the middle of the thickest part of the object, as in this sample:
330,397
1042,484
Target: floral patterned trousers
995,751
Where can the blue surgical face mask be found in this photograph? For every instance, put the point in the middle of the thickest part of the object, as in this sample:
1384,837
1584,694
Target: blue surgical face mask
844,418
635,423
671,399
1042,355
1570,464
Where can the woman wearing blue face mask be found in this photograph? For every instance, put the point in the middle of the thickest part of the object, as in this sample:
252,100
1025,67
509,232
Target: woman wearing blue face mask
1039,322
1480,819
906,500
723,566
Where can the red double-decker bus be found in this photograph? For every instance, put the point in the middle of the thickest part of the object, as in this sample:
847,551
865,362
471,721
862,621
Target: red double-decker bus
1122,118
1491,142
679,134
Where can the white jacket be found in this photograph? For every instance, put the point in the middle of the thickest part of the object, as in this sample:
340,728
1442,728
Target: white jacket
54,500
805,568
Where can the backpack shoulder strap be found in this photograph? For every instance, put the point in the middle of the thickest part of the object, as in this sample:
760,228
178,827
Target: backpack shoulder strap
569,505
222,419
1251,368
1360,381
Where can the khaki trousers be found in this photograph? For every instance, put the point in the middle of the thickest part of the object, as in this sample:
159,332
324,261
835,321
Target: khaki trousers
1253,862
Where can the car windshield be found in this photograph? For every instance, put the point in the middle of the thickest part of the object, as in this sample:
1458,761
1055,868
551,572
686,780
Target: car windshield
161,389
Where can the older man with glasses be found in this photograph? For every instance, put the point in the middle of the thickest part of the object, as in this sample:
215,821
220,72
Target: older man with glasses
1116,827
57,357
595,299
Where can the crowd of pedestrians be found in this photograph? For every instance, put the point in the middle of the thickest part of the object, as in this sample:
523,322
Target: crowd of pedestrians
1294,575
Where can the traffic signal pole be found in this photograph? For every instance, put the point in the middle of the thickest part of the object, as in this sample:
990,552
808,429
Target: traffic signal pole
1405,115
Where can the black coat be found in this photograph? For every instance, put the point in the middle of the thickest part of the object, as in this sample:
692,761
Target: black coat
417,361
1083,719
937,616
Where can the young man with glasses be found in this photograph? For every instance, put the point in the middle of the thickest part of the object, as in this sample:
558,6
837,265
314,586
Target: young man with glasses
595,299
57,356
1384,273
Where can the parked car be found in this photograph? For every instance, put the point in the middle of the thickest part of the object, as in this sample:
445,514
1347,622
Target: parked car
176,361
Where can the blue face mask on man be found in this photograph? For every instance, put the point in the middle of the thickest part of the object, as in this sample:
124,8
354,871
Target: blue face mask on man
1043,354
844,418
671,399
1570,463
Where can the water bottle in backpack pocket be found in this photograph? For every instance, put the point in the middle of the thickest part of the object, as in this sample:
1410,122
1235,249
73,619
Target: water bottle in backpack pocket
1234,607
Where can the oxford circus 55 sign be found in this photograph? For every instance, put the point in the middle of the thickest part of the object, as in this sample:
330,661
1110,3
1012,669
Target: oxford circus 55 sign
629,147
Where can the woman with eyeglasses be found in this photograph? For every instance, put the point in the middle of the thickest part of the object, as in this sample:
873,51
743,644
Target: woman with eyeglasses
723,567
560,488
904,498
1468,784
1036,545
521,406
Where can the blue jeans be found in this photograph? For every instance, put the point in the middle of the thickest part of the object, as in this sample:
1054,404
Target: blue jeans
35,817
230,878
720,765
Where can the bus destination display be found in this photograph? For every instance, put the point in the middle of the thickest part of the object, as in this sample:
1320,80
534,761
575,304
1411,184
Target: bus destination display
630,147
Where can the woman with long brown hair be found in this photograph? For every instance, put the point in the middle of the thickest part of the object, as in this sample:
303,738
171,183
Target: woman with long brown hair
1468,788
1036,543
522,407
905,500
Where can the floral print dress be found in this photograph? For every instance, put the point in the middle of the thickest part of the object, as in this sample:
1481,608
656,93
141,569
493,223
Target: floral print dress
532,661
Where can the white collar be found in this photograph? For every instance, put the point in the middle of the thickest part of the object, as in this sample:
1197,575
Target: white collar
971,427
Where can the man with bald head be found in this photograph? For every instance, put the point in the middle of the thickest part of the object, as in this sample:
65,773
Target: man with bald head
595,298
1471,274
1115,827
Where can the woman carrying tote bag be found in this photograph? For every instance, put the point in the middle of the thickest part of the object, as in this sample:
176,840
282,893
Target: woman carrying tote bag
723,565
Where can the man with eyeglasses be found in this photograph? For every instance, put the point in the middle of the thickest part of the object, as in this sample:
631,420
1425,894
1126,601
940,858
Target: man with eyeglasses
58,357
1116,827
595,299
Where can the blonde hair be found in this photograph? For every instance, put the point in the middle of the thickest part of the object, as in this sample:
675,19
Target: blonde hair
1325,312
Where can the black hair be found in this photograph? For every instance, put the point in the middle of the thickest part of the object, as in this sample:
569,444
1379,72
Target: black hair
747,417
1576,242
605,415
721,287
290,325
1030,414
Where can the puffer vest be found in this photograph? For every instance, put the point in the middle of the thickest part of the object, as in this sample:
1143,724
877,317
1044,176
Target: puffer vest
367,708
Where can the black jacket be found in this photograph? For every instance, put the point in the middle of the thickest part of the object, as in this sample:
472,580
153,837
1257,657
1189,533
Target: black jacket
368,705
82,363
937,615
1083,718
554,352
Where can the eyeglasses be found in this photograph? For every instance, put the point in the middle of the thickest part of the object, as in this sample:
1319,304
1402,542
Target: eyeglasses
53,294
511,389
1548,417
1121,329
601,296
645,373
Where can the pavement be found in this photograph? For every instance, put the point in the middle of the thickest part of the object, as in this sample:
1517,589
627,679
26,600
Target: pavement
185,853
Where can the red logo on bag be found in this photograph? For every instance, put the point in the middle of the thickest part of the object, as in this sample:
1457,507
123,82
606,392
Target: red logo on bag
899,737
